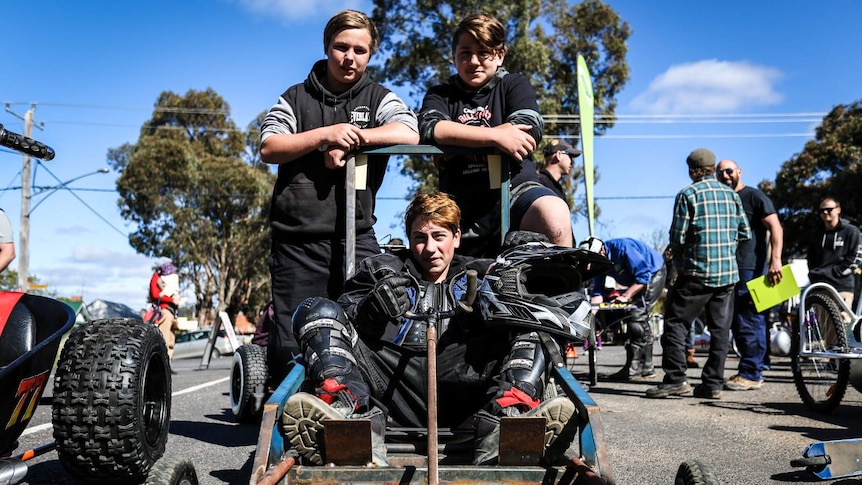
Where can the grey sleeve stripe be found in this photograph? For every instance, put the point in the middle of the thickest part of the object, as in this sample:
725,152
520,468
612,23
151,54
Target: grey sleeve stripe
279,121
392,109
527,117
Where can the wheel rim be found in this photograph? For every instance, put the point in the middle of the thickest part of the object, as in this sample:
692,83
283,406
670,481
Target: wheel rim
155,409
236,382
821,381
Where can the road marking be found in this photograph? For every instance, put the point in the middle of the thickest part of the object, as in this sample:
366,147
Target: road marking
46,426
201,386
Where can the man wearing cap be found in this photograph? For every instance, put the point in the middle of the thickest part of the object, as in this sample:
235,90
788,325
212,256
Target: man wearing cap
708,223
559,158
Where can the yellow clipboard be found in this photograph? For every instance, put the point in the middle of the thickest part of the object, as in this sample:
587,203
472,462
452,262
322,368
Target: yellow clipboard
766,295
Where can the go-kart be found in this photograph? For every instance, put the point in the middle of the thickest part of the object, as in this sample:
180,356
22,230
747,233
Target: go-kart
433,455
112,387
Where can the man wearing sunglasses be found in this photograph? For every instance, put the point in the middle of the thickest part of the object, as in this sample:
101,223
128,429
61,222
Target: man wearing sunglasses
753,259
834,251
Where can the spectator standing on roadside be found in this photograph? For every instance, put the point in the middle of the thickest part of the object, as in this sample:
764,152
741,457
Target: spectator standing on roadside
708,223
754,259
309,133
166,302
833,254
559,158
7,242
484,106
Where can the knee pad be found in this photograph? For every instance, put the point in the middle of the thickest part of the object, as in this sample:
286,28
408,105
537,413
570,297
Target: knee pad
525,365
325,337
635,331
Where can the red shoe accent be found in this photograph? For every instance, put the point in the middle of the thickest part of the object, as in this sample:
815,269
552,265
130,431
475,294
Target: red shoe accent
517,397
329,389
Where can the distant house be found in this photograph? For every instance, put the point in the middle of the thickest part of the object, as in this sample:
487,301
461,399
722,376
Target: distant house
99,309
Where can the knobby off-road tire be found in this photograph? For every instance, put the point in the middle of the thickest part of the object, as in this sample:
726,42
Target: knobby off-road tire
112,401
248,376
694,472
173,471
821,382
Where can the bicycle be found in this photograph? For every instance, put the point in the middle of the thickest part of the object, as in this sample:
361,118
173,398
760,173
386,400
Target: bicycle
826,337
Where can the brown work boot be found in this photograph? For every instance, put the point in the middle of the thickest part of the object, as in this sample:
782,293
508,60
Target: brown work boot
689,359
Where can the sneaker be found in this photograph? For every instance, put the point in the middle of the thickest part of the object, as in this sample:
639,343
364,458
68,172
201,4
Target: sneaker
302,423
668,389
557,412
645,376
703,392
739,383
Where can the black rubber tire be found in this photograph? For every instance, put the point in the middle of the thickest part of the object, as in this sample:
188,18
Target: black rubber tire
821,383
112,401
173,471
248,376
694,472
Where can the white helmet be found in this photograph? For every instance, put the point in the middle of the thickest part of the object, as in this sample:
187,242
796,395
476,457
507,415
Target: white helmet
779,341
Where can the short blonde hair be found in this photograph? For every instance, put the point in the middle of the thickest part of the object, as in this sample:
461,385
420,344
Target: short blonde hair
350,19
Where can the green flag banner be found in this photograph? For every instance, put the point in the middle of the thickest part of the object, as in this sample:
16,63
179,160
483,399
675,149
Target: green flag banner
585,107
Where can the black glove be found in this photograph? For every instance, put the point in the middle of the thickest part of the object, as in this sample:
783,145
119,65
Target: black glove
388,300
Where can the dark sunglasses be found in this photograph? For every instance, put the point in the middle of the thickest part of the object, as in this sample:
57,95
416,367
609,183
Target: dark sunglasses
827,210
727,171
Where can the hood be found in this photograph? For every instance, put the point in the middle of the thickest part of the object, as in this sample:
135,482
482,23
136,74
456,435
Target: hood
315,85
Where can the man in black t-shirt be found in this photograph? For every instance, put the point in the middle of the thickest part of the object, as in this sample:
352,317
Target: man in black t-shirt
754,259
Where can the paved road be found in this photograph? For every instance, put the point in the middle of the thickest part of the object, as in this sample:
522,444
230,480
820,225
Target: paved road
746,438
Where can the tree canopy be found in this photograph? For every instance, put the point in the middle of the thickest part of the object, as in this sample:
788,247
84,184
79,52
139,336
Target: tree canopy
829,165
188,186
545,38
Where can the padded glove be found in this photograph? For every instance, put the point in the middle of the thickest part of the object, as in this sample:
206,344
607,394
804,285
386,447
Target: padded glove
388,300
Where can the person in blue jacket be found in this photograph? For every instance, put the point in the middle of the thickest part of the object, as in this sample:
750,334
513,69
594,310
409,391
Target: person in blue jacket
640,270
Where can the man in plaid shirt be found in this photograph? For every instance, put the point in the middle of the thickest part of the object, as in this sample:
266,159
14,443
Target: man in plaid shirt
708,223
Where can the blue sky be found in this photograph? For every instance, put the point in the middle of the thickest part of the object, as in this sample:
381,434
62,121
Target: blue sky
749,80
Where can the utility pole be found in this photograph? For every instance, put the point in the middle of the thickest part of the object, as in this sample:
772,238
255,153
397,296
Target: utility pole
23,251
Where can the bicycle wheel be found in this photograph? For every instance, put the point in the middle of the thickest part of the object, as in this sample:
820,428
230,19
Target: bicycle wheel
820,381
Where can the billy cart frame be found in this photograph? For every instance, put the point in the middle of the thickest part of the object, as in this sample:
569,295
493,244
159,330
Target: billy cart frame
826,341
411,452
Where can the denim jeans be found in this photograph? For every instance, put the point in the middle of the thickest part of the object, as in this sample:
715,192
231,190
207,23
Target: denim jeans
749,330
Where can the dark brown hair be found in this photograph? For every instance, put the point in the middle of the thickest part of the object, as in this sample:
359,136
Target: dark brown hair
489,32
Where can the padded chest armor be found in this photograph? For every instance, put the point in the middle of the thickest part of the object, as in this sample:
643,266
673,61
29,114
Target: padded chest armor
432,296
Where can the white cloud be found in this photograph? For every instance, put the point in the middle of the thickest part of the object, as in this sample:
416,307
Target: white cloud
301,9
710,86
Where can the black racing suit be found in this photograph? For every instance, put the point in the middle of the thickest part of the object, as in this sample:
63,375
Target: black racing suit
479,367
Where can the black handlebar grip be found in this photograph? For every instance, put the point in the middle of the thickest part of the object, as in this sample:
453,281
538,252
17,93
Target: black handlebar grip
25,145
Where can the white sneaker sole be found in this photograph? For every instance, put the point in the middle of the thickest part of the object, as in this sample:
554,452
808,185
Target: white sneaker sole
557,412
302,423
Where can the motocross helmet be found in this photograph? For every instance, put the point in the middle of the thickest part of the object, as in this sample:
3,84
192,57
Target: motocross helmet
537,286
779,341
593,244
